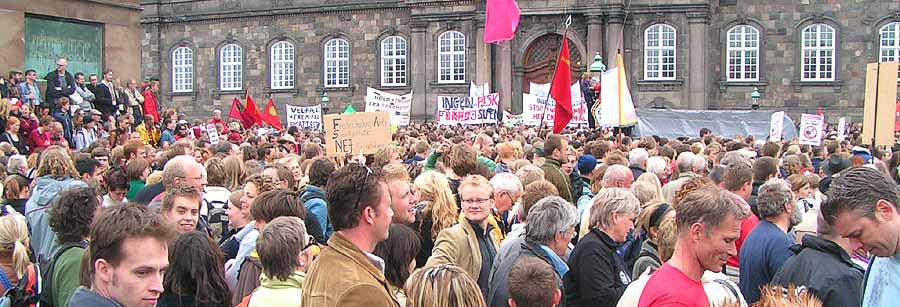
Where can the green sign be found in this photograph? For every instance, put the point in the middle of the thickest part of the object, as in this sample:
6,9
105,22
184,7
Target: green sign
47,40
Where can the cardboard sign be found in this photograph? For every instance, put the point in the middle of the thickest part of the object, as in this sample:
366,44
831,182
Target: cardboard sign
398,106
304,117
356,133
811,129
842,128
879,109
776,124
476,110
212,134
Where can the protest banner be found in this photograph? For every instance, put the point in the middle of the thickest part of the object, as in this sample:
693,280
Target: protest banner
535,103
304,117
475,110
356,133
842,128
776,124
879,108
811,129
212,134
398,106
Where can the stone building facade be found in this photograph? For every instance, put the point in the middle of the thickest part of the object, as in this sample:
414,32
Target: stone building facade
187,40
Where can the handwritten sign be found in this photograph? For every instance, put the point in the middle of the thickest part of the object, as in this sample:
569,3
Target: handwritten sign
811,129
304,117
533,105
776,124
842,128
356,133
398,106
212,134
474,110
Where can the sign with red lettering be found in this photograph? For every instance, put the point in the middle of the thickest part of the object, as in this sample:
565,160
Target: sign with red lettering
474,110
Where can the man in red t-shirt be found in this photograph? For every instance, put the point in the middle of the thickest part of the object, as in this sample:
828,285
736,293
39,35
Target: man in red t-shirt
708,222
738,180
39,138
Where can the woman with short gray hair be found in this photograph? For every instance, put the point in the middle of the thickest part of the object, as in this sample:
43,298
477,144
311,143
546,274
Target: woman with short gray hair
598,276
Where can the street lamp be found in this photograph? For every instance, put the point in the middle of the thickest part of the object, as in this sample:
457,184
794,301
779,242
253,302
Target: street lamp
597,68
325,101
754,99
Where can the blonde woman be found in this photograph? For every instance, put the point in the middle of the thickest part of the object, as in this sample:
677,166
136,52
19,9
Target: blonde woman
436,210
651,188
442,286
13,249
234,172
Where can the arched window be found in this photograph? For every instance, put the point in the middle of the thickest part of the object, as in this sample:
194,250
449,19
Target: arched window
451,57
282,61
890,42
743,53
818,42
230,67
182,70
393,61
659,52
337,63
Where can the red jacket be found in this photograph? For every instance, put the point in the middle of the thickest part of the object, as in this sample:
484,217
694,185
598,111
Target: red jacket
39,141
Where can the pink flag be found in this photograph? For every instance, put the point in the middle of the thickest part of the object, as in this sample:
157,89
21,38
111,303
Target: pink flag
501,21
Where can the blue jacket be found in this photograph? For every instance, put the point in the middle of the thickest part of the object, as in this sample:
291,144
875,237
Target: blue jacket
317,207
45,189
167,136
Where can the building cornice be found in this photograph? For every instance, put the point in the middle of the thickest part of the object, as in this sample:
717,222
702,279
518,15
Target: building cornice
269,13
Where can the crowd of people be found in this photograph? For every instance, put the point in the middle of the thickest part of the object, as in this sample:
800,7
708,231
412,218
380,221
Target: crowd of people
137,214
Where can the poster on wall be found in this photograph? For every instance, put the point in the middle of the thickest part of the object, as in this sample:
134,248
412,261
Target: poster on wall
48,39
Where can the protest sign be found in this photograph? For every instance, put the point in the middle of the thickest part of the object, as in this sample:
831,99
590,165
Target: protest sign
212,134
842,128
776,124
811,129
304,117
356,133
475,110
536,103
398,106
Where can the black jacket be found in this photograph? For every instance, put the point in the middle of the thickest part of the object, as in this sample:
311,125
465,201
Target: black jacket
103,100
826,270
597,275
754,192
66,89
498,290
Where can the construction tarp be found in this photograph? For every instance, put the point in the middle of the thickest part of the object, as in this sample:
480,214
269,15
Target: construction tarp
676,123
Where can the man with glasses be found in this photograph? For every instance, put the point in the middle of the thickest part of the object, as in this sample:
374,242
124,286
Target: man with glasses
179,170
60,83
469,244
347,274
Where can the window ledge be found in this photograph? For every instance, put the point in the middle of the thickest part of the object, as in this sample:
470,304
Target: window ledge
217,94
448,84
660,85
798,85
349,88
191,94
294,91
725,84
404,88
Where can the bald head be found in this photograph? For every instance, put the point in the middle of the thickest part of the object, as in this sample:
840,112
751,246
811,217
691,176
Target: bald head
184,169
618,176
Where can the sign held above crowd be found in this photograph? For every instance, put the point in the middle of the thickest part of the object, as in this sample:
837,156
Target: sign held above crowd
356,133
398,106
474,110
879,108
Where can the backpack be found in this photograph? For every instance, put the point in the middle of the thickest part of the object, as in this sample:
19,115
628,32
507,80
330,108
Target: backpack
25,293
47,266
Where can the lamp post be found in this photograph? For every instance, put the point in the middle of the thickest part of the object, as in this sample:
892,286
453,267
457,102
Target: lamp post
754,99
325,101
596,70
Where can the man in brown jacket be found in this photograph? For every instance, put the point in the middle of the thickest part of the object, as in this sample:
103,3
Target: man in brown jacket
347,274
556,150
469,244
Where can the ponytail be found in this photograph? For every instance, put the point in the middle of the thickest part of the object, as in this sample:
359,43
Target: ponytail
13,235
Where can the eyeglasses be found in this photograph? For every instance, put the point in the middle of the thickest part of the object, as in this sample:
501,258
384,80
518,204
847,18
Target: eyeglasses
361,185
475,201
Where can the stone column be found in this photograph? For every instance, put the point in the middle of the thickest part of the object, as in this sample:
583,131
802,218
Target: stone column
482,57
418,76
594,37
615,39
697,61
504,74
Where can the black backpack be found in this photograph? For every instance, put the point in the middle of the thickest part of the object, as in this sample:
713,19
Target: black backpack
25,293
47,266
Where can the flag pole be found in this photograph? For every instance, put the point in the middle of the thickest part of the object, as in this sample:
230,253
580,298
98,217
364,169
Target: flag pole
550,90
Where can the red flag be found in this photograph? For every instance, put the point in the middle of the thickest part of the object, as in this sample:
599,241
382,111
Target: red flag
235,112
501,20
270,116
251,113
560,89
